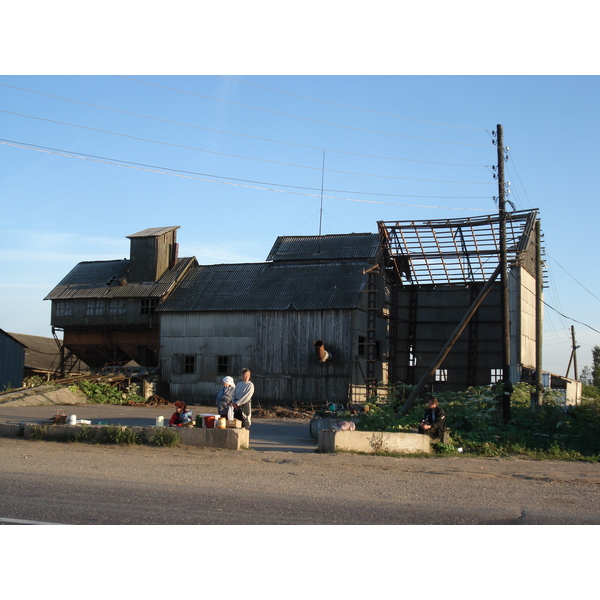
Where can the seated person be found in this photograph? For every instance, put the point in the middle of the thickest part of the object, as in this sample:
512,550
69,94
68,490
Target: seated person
434,421
182,417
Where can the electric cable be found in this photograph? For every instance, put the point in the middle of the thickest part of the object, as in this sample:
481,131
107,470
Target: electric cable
203,177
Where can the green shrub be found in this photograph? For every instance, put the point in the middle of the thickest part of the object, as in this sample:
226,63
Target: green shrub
163,436
119,435
552,430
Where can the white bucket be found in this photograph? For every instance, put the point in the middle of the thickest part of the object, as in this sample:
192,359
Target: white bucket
160,421
72,420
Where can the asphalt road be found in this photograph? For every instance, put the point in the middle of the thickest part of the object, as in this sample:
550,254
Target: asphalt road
50,482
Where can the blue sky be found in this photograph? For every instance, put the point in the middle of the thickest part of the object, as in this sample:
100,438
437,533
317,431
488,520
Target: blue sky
90,154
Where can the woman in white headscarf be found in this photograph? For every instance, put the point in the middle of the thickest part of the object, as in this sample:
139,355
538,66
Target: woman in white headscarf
225,396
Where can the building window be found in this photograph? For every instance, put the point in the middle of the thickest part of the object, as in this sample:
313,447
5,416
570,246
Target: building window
117,307
148,306
412,358
496,375
64,309
189,364
94,308
441,375
222,365
362,345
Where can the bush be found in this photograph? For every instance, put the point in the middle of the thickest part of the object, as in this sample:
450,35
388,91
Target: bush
552,430
163,436
104,393
119,435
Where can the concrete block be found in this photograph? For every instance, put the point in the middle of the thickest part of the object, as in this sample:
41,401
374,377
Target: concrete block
227,439
372,442
319,423
11,429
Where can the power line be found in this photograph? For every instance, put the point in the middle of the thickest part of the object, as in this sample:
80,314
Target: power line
203,177
253,137
300,117
571,276
571,318
196,149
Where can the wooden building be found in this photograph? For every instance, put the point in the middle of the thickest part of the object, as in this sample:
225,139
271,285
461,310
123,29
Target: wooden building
106,309
329,318
309,323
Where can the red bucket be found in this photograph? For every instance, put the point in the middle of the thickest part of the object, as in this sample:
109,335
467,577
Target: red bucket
209,421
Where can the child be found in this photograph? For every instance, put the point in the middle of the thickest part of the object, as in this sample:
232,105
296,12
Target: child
182,416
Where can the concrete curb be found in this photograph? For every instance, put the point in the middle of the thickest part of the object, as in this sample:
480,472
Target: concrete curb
372,442
226,439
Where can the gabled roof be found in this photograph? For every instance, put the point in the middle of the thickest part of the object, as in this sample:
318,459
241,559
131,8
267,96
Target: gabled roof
12,337
347,246
269,286
41,353
107,279
153,232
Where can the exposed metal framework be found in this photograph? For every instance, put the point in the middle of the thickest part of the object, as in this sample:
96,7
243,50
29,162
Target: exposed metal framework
453,251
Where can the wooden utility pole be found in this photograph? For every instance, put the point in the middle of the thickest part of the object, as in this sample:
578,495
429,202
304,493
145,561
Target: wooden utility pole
504,279
539,323
573,358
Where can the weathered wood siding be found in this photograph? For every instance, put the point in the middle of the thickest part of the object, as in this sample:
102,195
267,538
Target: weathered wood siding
151,256
278,346
108,312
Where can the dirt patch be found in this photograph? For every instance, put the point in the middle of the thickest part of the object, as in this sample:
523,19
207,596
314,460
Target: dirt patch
281,412
42,395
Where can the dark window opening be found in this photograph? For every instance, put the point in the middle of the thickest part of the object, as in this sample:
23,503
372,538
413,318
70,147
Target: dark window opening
189,364
148,306
223,365
362,345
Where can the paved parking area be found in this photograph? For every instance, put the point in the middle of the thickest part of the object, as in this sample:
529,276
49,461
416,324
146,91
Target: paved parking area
283,435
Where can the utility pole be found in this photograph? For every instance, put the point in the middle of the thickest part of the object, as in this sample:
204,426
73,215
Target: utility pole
539,325
573,357
504,279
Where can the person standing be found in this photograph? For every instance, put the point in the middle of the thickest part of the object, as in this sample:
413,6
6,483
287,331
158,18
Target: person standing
242,405
225,396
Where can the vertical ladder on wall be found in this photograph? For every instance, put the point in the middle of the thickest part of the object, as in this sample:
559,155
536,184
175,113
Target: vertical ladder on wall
371,342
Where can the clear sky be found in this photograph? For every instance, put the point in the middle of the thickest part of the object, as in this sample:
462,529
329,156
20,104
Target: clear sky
238,159
400,96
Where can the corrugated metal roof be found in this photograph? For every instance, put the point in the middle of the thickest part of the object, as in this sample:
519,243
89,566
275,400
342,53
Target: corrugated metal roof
100,279
268,286
40,352
353,246
153,232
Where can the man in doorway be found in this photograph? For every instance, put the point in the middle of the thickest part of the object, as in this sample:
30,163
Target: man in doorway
242,406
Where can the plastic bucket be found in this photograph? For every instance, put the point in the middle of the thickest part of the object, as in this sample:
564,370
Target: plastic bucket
209,421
